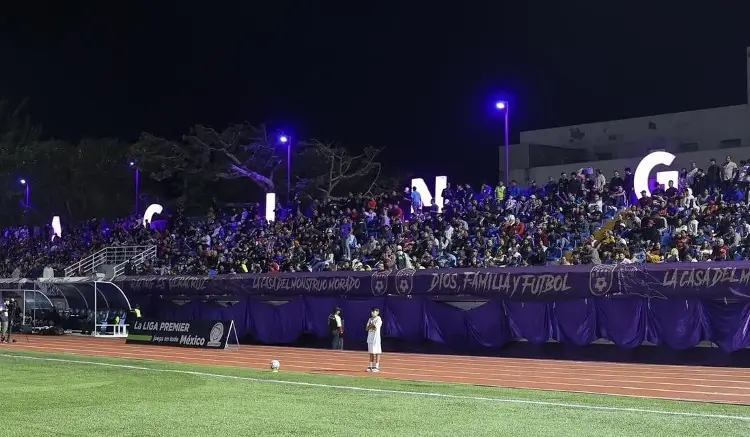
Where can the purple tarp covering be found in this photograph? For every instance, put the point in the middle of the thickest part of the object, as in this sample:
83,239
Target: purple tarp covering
628,322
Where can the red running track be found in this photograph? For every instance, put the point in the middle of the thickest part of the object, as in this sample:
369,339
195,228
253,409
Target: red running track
690,383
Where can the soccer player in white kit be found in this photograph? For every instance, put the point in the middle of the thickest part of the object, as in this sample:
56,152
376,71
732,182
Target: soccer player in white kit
373,340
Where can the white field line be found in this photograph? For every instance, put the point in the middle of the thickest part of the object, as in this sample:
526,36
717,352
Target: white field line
393,392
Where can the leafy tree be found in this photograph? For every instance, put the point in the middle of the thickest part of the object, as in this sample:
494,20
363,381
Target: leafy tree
94,178
17,137
16,126
77,181
240,151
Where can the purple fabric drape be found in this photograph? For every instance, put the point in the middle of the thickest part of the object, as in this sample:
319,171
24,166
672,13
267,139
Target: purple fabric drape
729,324
622,320
678,324
530,320
576,321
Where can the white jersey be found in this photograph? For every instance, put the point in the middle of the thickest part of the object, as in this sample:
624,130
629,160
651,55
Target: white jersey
373,337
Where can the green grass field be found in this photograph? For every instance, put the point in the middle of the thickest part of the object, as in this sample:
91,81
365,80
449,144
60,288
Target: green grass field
67,395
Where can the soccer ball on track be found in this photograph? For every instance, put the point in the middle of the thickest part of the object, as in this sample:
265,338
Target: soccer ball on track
275,365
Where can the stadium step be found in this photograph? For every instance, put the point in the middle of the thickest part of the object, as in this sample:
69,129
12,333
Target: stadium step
599,233
113,260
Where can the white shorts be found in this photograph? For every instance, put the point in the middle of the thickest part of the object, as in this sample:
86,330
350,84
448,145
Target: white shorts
374,348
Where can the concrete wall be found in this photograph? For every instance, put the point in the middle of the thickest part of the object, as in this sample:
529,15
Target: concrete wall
678,132
541,174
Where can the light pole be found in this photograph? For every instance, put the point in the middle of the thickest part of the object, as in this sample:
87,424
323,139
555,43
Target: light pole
285,139
503,106
137,183
26,184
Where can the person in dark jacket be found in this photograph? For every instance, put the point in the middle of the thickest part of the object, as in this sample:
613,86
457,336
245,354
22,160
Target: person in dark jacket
336,326
4,323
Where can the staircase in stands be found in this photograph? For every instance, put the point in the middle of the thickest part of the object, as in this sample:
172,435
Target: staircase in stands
600,233
111,261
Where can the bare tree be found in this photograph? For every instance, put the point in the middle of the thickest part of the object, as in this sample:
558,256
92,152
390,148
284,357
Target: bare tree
336,168
391,183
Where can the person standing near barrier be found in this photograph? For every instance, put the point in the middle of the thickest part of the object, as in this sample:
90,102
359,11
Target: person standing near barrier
135,313
4,323
336,326
374,346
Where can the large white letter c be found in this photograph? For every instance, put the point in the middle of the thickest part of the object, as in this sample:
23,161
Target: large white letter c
640,178
152,209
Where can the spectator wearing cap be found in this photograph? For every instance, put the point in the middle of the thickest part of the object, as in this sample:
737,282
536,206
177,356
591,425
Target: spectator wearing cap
403,261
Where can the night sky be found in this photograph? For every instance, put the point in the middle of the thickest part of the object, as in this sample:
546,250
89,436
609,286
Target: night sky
417,78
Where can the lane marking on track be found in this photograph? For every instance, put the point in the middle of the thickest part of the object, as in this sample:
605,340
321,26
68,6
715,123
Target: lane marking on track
392,392
460,361
507,379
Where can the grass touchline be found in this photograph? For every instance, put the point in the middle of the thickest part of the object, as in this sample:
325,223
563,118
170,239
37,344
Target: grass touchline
386,391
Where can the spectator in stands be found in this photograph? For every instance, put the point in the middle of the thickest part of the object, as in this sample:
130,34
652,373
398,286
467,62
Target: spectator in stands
729,173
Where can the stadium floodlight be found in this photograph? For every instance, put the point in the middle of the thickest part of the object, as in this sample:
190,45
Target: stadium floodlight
26,184
502,105
134,165
286,139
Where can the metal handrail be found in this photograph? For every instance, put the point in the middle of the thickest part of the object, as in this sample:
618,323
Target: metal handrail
147,255
112,255
87,261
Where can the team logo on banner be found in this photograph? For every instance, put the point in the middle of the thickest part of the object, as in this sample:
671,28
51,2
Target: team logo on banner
405,281
379,283
214,337
601,278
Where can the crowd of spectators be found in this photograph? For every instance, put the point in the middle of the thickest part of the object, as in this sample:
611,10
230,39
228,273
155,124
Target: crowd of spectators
703,218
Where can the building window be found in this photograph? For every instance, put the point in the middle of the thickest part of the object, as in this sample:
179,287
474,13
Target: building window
688,147
728,144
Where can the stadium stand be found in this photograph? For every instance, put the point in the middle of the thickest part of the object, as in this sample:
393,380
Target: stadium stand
577,219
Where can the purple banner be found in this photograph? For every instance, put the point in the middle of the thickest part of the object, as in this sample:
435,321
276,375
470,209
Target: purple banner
548,283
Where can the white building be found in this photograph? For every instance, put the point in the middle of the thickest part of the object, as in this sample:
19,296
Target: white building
693,136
